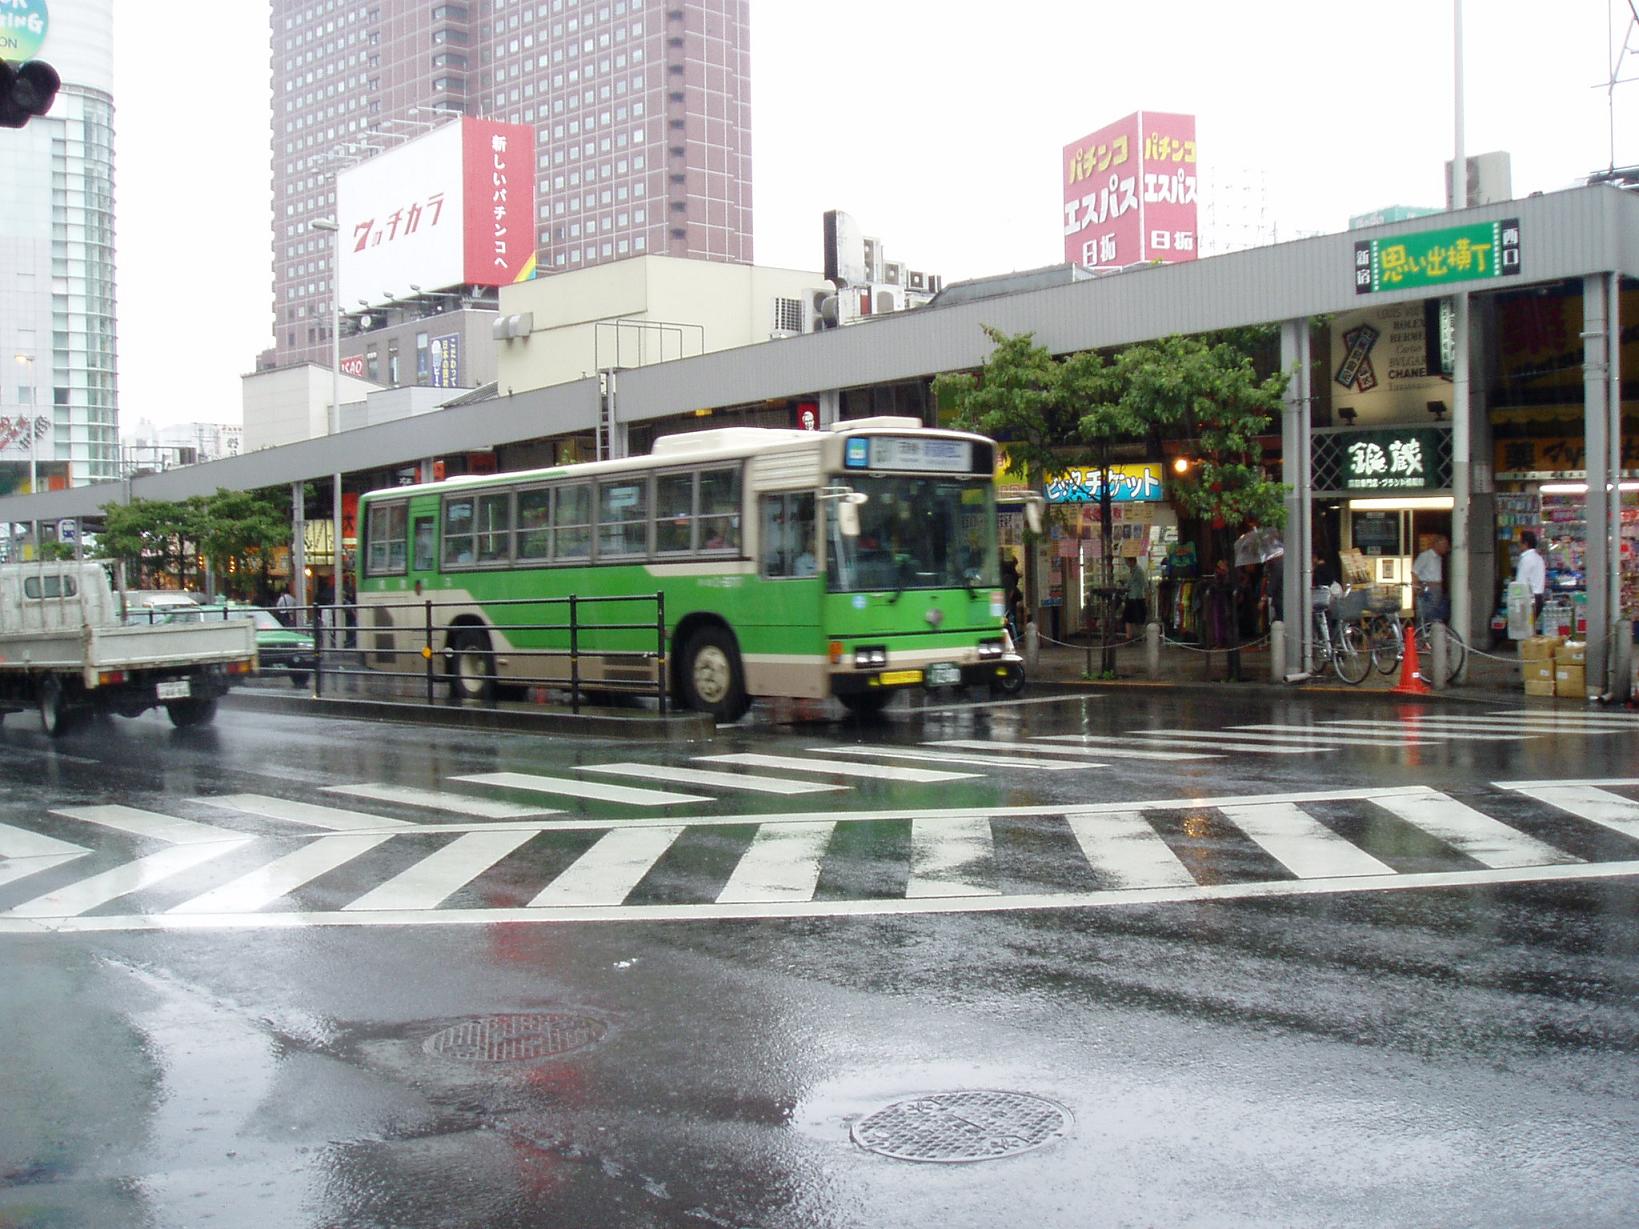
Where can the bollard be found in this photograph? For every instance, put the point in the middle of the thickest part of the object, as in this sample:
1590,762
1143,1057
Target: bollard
1277,651
1032,644
1152,649
1622,683
1438,651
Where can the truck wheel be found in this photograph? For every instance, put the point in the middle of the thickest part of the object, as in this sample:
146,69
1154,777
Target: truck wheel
186,714
712,678
56,715
298,680
472,668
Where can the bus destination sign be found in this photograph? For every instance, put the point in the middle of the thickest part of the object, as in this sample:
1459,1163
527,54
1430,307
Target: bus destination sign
901,453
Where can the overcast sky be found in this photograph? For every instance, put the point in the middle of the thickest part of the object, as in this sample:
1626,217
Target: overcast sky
940,132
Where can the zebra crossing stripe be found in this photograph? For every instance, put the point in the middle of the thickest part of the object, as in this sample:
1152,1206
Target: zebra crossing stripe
440,875
149,824
840,768
441,800
1470,832
1301,843
1122,846
704,776
1238,740
955,757
281,877
1589,802
1617,720
1350,738
1096,748
331,819
571,788
782,864
607,872
1534,725
952,857
1270,748
98,890
24,853
1410,727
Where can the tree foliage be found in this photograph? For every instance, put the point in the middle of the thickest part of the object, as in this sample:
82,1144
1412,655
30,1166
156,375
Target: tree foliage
236,531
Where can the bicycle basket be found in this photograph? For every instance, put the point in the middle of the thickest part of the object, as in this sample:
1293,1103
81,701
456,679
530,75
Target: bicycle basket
1351,605
1320,599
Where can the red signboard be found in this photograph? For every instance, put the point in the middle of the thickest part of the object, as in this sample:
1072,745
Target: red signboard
498,183
1129,192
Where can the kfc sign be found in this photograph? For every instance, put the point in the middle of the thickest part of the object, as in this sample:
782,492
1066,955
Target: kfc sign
454,207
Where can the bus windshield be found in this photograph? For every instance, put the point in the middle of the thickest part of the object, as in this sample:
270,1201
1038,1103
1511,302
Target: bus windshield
921,532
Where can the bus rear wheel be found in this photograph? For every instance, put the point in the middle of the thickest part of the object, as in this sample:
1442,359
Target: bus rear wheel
472,668
712,678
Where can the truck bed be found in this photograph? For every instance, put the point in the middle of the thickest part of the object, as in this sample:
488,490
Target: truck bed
92,650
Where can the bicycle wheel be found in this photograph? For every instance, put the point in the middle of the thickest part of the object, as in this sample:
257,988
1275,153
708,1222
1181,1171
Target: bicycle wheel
1354,655
1388,642
1456,653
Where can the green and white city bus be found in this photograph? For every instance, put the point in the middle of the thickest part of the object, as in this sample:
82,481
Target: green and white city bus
854,562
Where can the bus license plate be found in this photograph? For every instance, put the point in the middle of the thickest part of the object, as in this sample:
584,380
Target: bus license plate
898,678
176,690
944,674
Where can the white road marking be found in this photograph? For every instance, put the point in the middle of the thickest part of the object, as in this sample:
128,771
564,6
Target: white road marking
24,853
877,772
1096,744
1351,738
1270,748
954,757
1410,727
87,894
1532,725
1605,716
704,776
149,824
331,819
439,875
1588,802
1244,737
1301,843
1479,836
581,789
607,872
1194,893
783,863
1123,846
441,800
952,858
281,877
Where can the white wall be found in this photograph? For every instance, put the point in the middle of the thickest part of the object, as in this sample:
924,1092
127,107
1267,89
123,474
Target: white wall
291,404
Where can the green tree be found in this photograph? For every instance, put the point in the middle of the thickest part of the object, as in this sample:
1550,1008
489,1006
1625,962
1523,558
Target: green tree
238,532
147,536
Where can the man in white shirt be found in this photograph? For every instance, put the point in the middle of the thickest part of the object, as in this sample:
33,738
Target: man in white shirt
1532,571
1428,580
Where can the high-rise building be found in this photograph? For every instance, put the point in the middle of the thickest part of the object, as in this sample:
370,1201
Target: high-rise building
59,406
641,110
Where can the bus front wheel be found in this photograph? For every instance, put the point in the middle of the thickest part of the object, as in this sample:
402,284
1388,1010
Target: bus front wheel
712,679
472,668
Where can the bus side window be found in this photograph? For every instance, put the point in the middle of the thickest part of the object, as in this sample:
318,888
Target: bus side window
673,513
720,509
787,523
424,555
459,544
534,524
494,528
572,522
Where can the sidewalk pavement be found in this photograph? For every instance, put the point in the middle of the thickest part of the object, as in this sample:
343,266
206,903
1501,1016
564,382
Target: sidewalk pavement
1493,676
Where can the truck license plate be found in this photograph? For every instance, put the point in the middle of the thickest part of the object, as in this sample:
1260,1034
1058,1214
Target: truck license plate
944,674
174,690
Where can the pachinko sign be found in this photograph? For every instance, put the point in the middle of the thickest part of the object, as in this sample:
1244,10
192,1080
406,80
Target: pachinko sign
1130,192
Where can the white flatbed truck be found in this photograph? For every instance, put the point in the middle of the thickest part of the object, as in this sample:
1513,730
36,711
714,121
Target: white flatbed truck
67,650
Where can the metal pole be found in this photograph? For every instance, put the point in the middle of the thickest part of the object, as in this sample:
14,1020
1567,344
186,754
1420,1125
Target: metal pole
1601,492
1621,623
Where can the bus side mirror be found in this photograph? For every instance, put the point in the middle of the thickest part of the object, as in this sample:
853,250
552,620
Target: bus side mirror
848,513
1033,513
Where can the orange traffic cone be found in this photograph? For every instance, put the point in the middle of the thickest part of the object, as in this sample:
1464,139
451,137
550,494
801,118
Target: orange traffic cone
1411,678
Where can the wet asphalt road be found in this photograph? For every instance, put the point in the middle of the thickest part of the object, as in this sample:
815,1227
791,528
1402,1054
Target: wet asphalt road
1385,976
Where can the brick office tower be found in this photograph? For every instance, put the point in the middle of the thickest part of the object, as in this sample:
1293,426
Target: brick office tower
641,110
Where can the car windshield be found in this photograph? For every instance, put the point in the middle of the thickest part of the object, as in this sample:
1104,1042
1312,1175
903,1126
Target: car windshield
915,533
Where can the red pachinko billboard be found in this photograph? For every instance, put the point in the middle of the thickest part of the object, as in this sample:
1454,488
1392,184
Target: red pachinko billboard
1129,192
498,181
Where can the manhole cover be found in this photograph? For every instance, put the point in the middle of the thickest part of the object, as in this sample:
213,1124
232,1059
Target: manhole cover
515,1038
962,1126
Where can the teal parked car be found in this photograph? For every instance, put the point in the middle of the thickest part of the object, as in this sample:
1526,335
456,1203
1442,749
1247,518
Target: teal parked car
279,649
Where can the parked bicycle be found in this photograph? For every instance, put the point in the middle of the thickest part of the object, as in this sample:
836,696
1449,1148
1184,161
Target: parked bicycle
1386,634
1340,639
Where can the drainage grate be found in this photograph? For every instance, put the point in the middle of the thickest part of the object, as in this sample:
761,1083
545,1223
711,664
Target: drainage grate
962,1126
516,1038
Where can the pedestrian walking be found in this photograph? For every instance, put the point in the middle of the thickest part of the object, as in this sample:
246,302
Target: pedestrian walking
284,608
1532,572
1428,581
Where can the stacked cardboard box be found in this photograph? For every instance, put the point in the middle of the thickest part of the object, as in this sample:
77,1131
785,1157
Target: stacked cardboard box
1537,660
1571,670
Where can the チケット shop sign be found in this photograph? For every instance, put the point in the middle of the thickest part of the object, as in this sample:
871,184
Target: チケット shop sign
1438,258
1389,460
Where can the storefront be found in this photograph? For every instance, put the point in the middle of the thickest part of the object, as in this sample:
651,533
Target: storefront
1143,527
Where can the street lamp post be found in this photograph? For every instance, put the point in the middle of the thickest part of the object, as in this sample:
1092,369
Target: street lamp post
331,225
33,447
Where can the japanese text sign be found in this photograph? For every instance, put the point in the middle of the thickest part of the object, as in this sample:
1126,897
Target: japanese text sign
1130,191
1128,484
1402,460
1481,251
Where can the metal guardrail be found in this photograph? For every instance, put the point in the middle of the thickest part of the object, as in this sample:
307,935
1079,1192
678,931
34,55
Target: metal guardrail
337,629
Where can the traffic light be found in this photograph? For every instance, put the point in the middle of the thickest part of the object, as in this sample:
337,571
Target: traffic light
26,90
